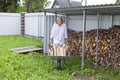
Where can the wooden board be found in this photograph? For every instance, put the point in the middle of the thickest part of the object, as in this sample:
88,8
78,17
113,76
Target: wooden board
26,49
57,51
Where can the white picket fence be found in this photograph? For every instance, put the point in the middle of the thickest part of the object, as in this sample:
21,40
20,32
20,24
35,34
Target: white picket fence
34,23
9,24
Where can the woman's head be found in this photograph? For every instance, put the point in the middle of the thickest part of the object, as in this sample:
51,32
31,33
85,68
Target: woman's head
59,20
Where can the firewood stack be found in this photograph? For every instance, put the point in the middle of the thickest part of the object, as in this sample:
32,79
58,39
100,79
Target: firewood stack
108,50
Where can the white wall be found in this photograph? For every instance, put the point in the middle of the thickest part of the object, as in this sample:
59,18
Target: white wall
31,24
116,20
34,23
76,22
105,21
9,23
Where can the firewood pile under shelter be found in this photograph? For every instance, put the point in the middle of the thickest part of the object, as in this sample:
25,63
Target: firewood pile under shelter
100,45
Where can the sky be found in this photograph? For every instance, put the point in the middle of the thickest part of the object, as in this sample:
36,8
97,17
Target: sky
96,2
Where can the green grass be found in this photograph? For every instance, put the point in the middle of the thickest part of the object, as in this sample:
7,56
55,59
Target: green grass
36,66
18,41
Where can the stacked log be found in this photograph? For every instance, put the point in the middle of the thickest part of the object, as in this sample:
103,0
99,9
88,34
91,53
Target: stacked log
108,50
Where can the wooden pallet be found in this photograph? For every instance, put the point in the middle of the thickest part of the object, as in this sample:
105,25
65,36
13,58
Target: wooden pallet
27,49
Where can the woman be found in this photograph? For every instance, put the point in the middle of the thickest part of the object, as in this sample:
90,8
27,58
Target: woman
59,32
58,37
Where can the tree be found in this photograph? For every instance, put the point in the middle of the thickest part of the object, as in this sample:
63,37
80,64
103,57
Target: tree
29,6
8,5
118,1
35,5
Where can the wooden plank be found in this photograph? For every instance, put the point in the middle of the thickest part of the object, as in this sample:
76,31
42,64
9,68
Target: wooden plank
26,49
23,48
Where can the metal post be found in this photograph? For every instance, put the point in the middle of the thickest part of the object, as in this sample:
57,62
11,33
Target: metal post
48,25
45,34
55,16
83,40
67,21
52,22
111,23
85,2
48,28
98,24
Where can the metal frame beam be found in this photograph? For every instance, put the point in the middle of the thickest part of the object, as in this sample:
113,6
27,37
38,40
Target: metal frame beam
107,9
111,23
83,40
45,35
67,23
97,37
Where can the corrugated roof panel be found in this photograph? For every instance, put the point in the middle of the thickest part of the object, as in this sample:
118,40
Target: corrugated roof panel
93,9
66,3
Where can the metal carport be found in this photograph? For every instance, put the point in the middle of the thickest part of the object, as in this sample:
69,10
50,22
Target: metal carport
109,9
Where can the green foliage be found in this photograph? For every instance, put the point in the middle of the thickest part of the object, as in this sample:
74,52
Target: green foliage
118,1
29,6
21,9
8,42
33,6
38,5
8,5
36,66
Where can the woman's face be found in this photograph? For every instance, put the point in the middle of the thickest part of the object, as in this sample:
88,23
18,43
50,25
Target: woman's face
59,21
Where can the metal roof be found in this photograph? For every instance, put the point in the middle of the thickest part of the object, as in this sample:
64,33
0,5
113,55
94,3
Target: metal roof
93,9
66,3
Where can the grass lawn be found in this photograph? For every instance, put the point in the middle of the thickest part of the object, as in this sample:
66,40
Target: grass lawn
36,66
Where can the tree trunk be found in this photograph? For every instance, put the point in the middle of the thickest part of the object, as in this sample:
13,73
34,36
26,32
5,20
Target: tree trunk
29,6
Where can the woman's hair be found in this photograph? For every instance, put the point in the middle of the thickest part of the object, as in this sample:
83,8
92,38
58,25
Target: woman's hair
60,19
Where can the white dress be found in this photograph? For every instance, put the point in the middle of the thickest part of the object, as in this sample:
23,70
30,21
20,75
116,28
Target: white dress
59,33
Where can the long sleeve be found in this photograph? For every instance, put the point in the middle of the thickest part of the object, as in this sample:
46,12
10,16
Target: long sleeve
62,34
58,33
